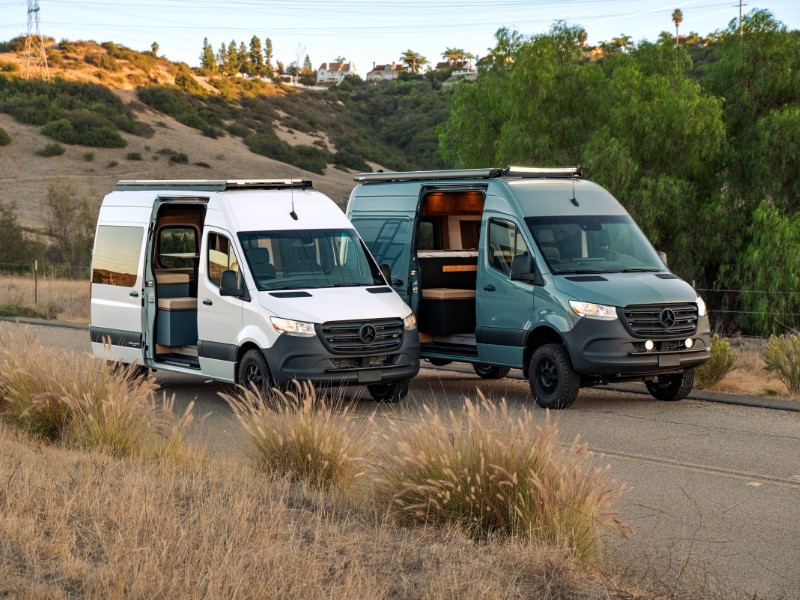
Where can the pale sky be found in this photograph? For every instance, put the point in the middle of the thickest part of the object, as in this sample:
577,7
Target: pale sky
363,31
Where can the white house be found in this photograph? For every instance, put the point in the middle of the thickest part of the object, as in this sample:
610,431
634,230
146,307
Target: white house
335,72
385,72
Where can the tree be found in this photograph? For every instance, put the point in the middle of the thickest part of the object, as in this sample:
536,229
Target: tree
13,245
223,59
307,69
154,48
256,59
268,57
413,60
623,42
69,224
453,55
207,59
242,59
677,18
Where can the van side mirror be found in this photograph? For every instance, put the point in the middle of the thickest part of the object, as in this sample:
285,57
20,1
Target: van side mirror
229,285
663,257
524,269
386,271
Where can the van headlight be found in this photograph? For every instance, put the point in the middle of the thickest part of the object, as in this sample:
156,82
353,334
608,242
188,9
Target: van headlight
594,311
410,322
701,307
289,327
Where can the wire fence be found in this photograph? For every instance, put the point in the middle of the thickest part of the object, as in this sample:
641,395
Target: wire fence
32,280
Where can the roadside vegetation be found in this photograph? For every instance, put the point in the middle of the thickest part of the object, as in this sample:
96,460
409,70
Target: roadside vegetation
722,360
103,496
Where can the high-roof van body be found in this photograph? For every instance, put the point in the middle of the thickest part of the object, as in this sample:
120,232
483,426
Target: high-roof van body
535,269
251,282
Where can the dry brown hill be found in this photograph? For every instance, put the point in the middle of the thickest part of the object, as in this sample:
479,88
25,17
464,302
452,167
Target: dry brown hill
26,176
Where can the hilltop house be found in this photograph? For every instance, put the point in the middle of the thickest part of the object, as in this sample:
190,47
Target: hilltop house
385,72
335,72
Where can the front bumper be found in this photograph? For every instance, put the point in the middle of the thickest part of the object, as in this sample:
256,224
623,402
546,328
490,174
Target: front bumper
606,349
307,359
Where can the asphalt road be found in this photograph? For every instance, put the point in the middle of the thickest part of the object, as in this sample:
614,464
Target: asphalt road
715,487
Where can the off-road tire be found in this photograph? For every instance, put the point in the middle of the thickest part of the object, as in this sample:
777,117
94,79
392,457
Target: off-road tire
253,369
672,387
554,383
490,371
393,391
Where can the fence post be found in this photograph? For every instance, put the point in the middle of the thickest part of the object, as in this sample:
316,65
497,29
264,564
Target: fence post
36,281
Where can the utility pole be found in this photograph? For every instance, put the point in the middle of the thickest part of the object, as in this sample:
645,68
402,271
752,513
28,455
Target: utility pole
741,4
35,55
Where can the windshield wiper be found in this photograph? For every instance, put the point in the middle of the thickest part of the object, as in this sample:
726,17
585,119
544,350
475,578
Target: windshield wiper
639,270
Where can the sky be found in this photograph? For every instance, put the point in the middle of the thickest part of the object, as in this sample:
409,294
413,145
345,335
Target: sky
363,31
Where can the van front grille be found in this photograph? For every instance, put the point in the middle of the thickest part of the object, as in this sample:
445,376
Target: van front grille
661,320
355,337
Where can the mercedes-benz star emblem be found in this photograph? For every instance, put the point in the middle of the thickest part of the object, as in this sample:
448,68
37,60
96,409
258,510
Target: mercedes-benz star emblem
367,334
667,318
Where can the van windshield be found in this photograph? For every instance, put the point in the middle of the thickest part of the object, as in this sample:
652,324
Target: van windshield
593,244
309,258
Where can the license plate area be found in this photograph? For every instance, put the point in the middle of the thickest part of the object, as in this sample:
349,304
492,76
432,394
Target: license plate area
669,360
369,376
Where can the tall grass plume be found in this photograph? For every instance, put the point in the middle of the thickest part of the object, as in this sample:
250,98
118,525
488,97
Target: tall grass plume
298,435
83,402
489,473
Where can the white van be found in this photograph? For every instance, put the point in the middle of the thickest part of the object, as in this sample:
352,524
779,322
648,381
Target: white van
250,282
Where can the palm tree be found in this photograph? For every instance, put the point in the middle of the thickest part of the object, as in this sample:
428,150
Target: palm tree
413,60
452,55
677,18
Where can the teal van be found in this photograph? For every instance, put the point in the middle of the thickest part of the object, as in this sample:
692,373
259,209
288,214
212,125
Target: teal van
536,269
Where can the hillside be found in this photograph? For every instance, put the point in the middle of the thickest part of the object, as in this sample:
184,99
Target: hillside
225,127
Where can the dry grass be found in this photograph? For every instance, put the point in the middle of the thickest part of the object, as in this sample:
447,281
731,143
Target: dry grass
87,403
749,375
489,472
65,299
89,525
302,437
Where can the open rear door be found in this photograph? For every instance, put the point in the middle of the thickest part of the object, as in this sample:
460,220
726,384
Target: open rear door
117,291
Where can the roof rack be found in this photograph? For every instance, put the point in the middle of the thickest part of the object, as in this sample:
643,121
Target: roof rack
213,185
509,171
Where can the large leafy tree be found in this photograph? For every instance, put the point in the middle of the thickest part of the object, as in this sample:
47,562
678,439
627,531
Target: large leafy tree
255,57
413,60
207,59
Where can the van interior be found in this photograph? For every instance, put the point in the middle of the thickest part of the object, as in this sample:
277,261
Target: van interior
447,255
174,260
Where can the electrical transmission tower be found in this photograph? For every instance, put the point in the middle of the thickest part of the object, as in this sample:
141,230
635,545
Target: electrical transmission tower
35,55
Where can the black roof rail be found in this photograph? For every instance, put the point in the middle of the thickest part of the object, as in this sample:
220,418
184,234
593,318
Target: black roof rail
488,173
213,185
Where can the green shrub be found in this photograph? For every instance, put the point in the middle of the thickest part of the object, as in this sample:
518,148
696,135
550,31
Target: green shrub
212,132
238,130
51,150
180,158
112,163
721,361
86,128
782,357
88,156
7,67
351,161
490,472
302,437
306,157
5,139
134,156
102,61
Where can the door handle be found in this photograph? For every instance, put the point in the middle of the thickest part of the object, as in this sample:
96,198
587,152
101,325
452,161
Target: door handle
207,302
134,294
489,288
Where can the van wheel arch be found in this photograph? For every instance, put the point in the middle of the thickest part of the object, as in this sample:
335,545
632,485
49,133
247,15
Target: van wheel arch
534,340
244,349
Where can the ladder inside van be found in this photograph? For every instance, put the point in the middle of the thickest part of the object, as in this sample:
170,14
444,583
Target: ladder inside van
490,173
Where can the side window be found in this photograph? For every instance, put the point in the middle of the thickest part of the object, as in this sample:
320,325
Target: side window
504,242
116,255
220,257
177,247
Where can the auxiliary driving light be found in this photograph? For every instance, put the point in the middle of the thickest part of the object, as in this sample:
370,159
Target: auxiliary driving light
649,345
689,342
